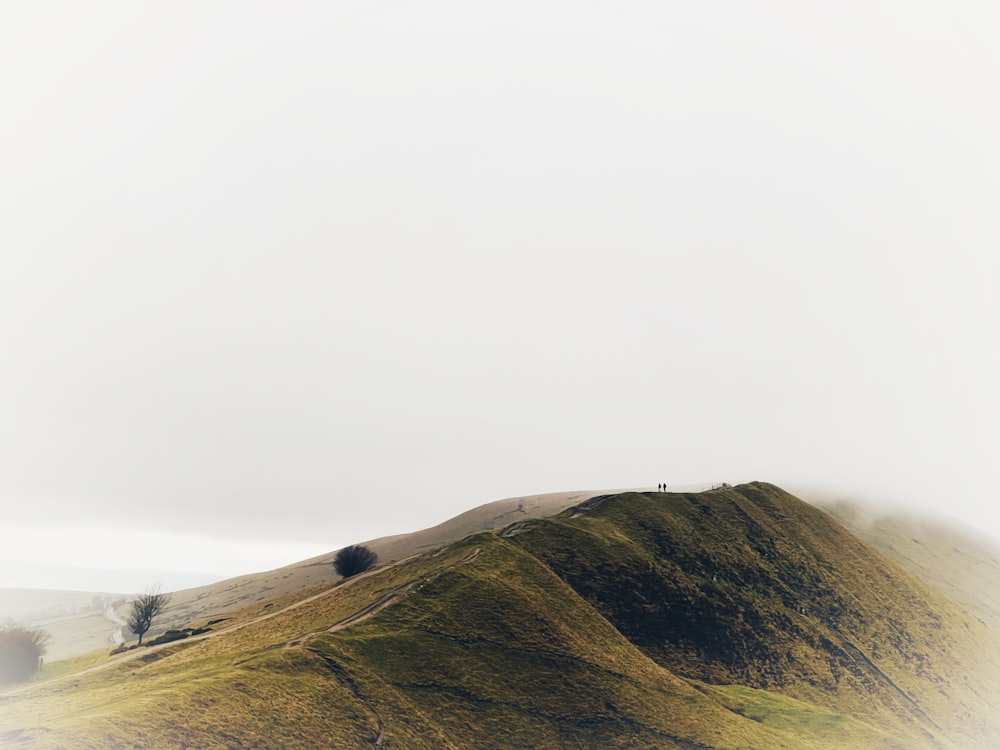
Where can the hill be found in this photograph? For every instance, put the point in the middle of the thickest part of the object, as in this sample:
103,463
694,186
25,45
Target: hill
752,586
80,622
737,618
229,596
956,559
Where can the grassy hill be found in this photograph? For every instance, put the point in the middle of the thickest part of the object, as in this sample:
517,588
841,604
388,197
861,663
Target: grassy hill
233,595
752,586
78,621
738,618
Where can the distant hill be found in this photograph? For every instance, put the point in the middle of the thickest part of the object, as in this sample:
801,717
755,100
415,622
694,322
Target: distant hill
956,559
736,618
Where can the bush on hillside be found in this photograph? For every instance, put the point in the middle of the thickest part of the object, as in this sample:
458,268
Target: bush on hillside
354,559
21,652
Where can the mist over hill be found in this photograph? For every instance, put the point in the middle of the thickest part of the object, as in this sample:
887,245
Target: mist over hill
26,574
741,617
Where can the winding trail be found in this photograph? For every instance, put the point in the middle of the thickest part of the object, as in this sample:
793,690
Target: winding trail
360,616
375,607
118,634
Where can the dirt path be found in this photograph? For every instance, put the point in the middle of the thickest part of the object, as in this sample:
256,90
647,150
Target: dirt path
360,616
374,608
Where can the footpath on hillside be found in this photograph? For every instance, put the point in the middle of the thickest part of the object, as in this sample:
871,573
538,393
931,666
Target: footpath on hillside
360,616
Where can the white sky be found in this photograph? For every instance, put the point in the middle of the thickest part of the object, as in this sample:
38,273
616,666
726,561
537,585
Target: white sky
318,273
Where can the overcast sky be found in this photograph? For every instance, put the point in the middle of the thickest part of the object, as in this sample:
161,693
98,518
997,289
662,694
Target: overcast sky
314,274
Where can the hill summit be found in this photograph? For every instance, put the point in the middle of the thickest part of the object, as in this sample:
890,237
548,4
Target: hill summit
741,617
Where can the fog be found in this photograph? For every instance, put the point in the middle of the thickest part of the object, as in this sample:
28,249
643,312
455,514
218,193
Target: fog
312,276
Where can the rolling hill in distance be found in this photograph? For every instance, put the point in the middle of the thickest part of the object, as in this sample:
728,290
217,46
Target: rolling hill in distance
740,617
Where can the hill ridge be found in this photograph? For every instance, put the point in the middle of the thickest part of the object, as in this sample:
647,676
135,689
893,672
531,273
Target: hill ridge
650,619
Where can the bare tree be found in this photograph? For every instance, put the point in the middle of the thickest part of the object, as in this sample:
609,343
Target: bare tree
354,559
143,608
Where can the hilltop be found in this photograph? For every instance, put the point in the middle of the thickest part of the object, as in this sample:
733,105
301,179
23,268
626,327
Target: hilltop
735,618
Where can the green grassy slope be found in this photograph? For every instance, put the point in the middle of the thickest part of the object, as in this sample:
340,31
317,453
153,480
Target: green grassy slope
226,597
752,586
645,622
478,646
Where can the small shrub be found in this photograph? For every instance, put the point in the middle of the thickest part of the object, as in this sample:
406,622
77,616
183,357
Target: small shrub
354,559
21,652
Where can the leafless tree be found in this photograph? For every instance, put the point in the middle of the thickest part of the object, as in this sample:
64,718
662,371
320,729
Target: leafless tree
143,608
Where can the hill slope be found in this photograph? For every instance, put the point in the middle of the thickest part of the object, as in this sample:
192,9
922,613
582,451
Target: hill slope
79,622
223,598
651,620
754,587
958,560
